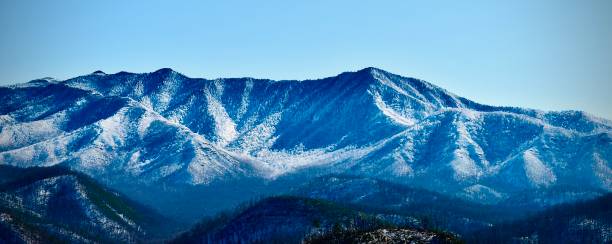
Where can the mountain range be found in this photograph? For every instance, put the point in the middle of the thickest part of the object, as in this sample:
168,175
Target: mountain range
190,147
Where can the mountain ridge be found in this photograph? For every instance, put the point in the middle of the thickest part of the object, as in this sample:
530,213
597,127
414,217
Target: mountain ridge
164,127
166,72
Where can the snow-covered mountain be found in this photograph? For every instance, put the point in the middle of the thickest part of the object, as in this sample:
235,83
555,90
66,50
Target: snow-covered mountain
164,127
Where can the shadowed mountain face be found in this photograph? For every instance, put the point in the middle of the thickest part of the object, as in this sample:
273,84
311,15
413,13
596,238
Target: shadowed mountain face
163,128
41,205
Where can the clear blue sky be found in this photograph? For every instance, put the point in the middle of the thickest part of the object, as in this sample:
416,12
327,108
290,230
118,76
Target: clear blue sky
551,55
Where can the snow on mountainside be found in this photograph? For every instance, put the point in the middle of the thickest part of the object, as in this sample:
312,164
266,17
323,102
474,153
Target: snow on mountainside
165,127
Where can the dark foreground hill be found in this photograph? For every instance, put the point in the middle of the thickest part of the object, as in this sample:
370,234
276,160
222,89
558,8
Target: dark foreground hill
388,236
581,222
55,204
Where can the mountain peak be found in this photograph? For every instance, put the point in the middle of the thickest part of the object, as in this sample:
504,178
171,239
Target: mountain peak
368,74
164,71
370,70
98,72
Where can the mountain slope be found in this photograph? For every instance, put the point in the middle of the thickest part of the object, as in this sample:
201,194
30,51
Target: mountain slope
165,128
44,204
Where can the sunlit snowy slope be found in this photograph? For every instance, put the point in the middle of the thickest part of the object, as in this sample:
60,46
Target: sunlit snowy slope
165,127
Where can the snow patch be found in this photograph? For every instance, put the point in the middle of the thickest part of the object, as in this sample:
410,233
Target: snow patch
463,165
286,161
390,113
113,129
385,81
44,153
166,93
26,133
481,193
145,121
244,104
260,136
225,127
538,173
94,157
135,164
